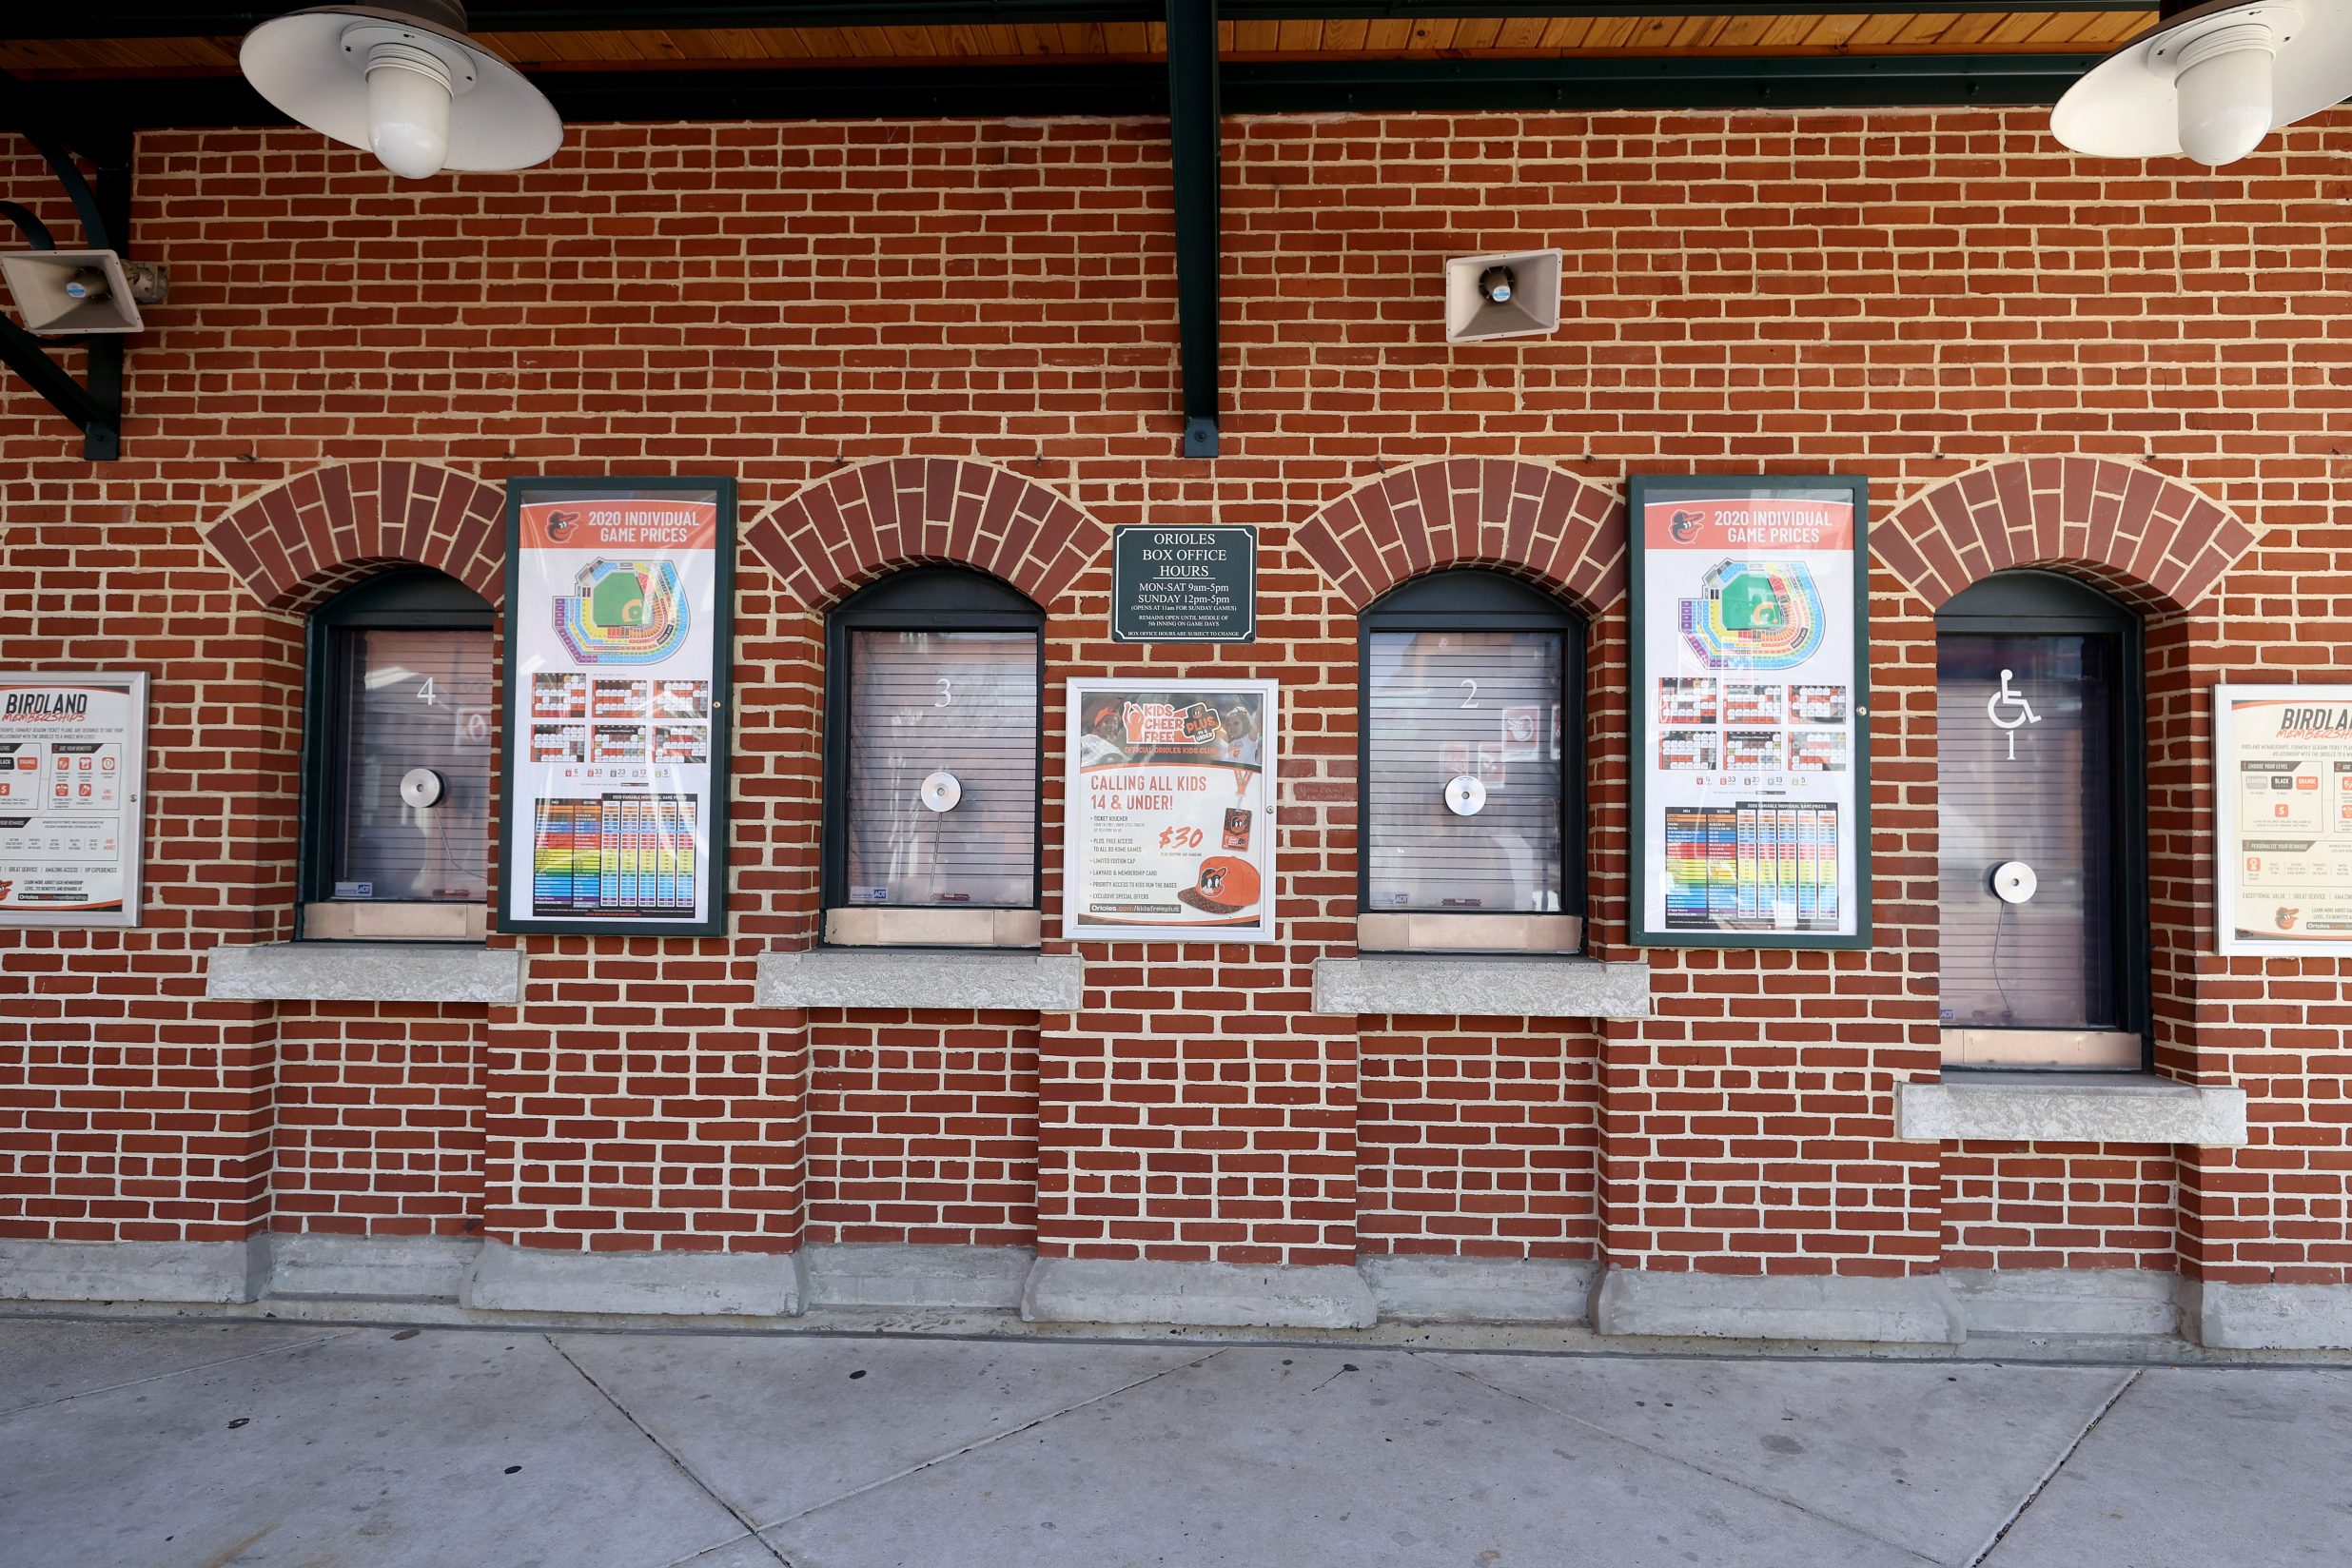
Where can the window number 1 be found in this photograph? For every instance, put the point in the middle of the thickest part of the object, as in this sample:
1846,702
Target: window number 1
424,693
1469,694
947,692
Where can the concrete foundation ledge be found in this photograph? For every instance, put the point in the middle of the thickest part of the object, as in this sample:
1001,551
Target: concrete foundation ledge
1114,1290
899,979
364,972
865,1274
1920,1310
2063,1302
1482,986
134,1271
2266,1316
1433,1289
526,1279
382,1267
2070,1108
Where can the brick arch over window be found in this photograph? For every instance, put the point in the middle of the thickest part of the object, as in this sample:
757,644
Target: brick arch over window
853,525
1521,518
297,543
2154,541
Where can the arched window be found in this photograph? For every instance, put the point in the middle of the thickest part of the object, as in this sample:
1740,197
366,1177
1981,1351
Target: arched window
400,679
1472,765
932,762
2040,792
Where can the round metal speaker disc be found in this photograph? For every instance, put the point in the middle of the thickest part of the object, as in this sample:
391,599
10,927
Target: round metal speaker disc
1465,796
2013,882
420,787
941,791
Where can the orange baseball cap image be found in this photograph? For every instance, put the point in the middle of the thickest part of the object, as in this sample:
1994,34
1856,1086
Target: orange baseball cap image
1226,885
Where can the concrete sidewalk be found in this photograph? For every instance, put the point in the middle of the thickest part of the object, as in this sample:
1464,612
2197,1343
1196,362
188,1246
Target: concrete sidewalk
202,1444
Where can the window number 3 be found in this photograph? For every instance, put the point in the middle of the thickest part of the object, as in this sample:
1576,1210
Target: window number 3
424,693
947,692
1469,694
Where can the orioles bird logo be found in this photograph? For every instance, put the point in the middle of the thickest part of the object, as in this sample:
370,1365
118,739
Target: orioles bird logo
560,524
1212,881
1684,526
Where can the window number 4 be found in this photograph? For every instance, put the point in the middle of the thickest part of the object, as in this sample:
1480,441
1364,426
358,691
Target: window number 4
424,693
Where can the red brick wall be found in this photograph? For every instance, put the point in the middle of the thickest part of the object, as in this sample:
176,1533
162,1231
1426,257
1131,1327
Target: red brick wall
1910,296
2022,1205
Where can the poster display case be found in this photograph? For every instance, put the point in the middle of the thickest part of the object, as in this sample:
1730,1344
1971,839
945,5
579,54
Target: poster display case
1169,817
2282,820
1749,669
73,772
612,811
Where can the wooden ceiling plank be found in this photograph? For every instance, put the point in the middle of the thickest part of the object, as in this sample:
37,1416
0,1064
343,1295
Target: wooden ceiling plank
1347,34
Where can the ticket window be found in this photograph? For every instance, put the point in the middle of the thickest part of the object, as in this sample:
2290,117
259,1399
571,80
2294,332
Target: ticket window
933,763
2039,786
1472,731
398,759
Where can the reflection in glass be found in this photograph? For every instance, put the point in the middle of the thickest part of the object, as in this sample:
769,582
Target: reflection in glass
959,702
1486,704
414,700
2049,962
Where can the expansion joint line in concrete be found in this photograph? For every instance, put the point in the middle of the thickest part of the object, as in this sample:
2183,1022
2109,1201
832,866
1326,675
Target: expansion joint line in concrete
978,1444
750,1530
1611,1435
2055,1465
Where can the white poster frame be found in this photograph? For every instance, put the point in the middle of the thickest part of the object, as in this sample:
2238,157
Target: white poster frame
2228,797
1075,811
133,685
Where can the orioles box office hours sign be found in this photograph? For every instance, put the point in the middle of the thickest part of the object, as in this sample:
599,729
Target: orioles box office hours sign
613,810
1169,817
1752,743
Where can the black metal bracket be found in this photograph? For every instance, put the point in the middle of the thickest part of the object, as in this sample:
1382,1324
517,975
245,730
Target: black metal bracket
1192,135
95,404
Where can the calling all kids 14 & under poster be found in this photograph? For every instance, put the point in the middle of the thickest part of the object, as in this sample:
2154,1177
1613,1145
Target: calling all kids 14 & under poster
1170,810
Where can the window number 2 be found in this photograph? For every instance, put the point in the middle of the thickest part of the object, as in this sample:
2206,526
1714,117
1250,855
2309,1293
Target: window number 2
947,692
1469,694
424,693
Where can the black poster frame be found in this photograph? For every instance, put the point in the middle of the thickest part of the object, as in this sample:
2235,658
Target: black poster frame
525,489
1642,490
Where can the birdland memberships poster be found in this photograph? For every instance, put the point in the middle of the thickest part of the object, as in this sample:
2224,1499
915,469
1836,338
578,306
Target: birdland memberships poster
2283,871
1168,813
1749,672
613,810
72,755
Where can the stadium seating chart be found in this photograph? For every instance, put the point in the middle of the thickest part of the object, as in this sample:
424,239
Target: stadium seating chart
1749,669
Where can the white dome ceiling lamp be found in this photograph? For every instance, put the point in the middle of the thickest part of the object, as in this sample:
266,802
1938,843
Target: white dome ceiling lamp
404,81
2211,81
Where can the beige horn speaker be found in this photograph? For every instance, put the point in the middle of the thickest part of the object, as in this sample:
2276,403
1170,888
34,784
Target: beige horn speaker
1512,295
64,293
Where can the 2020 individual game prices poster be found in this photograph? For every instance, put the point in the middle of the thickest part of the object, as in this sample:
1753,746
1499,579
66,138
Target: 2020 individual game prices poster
1169,815
1750,778
618,600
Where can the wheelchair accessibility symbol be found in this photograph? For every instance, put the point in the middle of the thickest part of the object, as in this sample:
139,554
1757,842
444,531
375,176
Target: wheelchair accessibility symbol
2007,699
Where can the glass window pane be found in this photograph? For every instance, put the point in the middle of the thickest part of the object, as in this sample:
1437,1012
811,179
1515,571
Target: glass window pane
1487,704
963,703
413,699
2049,962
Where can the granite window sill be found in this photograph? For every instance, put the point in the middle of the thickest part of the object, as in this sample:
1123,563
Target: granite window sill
899,979
2070,1108
365,971
1482,986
